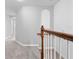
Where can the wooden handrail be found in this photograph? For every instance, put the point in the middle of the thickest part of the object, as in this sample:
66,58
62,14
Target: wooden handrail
59,34
65,36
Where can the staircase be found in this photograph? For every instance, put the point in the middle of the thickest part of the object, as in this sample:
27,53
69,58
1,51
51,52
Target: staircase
54,34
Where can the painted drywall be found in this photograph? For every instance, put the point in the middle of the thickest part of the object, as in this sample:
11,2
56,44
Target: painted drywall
63,22
28,24
45,18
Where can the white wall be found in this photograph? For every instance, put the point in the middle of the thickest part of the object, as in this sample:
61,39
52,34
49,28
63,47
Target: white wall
28,24
45,18
63,22
63,16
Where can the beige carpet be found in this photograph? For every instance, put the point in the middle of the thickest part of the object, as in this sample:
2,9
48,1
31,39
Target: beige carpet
13,50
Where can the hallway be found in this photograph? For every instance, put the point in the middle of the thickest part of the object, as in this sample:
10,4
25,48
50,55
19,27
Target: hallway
39,29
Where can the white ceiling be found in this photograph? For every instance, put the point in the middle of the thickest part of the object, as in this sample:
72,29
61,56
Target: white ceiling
15,5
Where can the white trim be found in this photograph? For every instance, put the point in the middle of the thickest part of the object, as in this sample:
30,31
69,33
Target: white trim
26,44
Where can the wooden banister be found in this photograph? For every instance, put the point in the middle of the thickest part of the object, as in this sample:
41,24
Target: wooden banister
42,37
65,36
58,34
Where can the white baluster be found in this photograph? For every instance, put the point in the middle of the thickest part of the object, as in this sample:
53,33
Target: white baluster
60,47
67,49
48,46
51,47
55,48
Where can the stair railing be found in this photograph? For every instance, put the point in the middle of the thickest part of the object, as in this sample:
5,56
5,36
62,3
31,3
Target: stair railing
65,36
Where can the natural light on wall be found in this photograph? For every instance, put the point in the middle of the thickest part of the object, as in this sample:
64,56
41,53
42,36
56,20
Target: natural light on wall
45,18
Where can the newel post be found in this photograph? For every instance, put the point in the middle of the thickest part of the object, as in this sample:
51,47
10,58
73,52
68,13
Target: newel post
42,45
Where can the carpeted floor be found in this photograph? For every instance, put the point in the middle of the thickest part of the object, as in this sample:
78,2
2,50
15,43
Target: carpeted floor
13,50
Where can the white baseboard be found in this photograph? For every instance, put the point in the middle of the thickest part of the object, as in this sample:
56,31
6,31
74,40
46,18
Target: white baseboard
26,44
